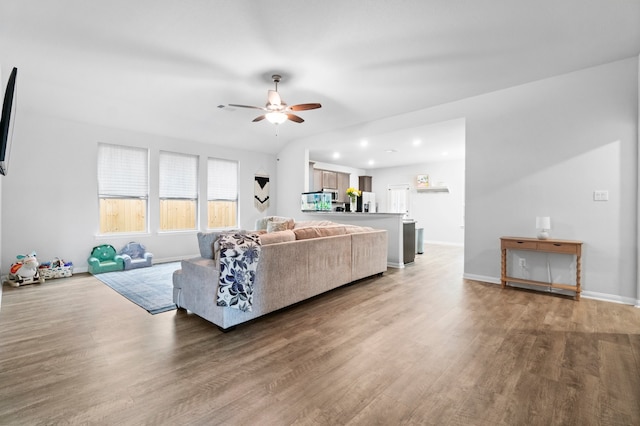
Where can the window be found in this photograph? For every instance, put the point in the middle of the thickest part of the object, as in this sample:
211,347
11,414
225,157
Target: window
222,193
123,188
178,191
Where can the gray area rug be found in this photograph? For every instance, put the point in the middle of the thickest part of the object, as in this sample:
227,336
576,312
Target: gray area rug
150,288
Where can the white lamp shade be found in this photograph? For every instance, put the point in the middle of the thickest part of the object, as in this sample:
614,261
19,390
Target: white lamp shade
543,222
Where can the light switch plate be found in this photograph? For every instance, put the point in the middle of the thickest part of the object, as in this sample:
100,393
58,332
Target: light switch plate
600,195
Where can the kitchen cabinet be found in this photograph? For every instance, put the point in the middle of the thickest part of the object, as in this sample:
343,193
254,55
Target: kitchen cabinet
329,179
343,184
317,180
364,183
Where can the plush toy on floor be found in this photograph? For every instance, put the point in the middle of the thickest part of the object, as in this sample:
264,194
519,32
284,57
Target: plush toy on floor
25,270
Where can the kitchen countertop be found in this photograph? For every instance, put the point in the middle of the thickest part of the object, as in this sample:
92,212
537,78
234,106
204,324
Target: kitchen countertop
391,222
354,213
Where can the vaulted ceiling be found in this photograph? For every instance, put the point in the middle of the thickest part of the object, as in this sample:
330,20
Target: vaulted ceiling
164,67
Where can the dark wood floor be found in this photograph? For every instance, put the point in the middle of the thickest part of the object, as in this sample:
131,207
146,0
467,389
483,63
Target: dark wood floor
417,346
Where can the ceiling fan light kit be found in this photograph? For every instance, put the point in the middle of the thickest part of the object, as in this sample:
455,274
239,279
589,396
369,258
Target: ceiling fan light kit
276,117
276,110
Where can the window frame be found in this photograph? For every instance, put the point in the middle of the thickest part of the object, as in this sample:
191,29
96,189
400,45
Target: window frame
170,192
224,198
118,178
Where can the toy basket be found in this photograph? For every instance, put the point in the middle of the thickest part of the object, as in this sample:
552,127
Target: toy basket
57,268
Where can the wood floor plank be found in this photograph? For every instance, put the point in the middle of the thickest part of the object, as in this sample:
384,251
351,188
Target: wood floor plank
417,346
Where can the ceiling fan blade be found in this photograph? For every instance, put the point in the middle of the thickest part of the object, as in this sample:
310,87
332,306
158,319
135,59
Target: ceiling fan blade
247,106
304,107
274,98
259,118
295,118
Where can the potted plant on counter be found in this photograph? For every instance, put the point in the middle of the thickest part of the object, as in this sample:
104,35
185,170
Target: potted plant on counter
353,194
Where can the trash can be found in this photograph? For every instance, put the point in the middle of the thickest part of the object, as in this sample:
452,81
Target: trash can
420,240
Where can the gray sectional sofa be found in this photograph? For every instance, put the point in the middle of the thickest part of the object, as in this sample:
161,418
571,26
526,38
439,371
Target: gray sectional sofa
296,263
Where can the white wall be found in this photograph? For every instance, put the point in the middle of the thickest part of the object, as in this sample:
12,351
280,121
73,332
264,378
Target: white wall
440,214
539,148
50,202
542,148
638,197
293,164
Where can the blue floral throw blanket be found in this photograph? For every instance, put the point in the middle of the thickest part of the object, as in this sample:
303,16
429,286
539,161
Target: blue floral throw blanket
239,255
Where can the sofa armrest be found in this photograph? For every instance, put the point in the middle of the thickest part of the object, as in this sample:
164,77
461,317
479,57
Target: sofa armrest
201,270
126,259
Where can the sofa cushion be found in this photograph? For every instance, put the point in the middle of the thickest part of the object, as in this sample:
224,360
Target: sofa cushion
310,223
354,229
207,240
277,237
318,231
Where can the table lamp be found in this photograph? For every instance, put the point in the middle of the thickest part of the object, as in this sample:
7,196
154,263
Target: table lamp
543,224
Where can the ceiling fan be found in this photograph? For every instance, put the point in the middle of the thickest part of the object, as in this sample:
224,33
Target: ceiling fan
276,110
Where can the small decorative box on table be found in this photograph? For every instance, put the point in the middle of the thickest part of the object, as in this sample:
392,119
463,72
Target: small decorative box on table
548,246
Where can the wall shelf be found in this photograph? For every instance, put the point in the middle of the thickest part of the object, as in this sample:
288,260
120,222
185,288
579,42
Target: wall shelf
434,189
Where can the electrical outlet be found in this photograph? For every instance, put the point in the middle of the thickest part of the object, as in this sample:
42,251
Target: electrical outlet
523,263
600,195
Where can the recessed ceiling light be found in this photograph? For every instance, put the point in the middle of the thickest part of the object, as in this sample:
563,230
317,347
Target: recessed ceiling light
336,155
417,142
444,153
390,150
371,162
364,142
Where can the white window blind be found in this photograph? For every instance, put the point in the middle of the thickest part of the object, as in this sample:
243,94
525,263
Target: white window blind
122,171
178,176
222,180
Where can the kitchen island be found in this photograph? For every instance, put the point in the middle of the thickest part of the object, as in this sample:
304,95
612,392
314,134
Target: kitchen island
391,222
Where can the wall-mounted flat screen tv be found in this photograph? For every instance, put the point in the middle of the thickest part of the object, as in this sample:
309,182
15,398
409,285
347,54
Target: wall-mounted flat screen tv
7,121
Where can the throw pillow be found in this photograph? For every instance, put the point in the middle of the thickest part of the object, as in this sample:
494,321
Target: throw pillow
263,222
277,226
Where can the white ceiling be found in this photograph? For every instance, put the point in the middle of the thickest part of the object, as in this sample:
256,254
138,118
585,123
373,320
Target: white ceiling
163,67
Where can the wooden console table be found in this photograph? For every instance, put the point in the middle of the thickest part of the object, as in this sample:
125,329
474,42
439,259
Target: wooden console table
549,246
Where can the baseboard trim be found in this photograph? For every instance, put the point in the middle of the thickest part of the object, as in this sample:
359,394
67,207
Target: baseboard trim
609,298
395,265
605,297
444,243
483,278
